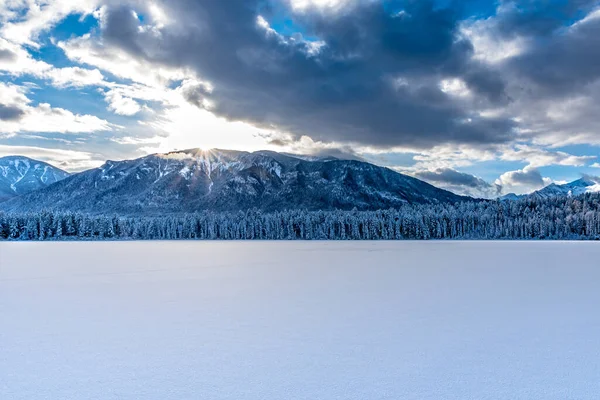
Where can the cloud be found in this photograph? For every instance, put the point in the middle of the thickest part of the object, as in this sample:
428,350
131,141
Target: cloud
196,93
10,113
43,117
129,140
460,183
534,18
74,77
522,181
307,146
453,156
572,53
537,157
330,5
68,160
87,50
121,105
21,21
553,102
449,156
342,92
350,76
17,61
380,79
7,55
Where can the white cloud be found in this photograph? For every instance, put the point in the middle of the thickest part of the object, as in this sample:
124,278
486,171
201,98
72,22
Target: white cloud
488,45
302,5
594,15
69,160
86,50
447,157
130,140
452,156
264,24
455,87
13,95
522,181
159,15
121,105
537,157
17,61
39,15
75,76
43,117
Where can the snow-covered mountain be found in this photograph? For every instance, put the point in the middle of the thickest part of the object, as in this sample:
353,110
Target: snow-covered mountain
20,175
580,186
575,188
195,180
510,196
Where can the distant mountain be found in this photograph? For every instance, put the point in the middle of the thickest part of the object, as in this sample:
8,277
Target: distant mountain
575,188
21,175
222,180
510,196
580,186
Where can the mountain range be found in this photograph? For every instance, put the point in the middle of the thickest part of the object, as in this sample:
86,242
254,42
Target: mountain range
575,188
21,175
225,180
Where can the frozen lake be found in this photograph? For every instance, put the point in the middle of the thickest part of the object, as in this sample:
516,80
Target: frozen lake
300,320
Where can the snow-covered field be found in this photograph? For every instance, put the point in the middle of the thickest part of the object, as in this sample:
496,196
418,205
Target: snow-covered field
299,320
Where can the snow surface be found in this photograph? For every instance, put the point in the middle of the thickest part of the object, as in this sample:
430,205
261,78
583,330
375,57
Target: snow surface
299,320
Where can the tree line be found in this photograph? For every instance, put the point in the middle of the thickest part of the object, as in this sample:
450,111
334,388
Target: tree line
529,218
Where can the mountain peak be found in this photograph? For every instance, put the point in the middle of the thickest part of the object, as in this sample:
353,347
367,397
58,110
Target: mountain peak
21,175
582,182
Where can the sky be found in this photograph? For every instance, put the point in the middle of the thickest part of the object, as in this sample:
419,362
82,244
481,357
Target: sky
479,97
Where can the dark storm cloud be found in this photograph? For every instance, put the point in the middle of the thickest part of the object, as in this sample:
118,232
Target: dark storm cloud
488,84
376,81
564,61
121,26
561,52
10,113
540,17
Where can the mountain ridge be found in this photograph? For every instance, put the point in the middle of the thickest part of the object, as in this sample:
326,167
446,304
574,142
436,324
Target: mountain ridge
226,180
575,188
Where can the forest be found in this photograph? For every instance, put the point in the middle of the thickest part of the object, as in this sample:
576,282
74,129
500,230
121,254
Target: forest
529,218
